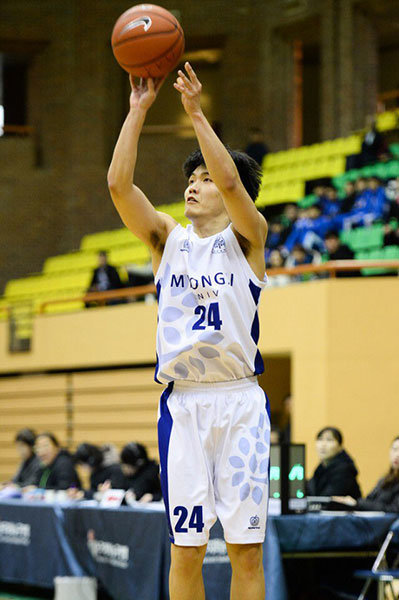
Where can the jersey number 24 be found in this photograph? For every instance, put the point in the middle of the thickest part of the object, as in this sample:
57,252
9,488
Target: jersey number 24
211,316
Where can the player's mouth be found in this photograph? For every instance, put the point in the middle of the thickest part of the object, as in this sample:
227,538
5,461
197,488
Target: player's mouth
192,200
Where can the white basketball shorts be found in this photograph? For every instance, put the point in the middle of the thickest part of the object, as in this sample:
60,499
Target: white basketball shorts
214,441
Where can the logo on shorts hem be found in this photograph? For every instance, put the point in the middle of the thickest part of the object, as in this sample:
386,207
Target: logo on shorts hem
254,522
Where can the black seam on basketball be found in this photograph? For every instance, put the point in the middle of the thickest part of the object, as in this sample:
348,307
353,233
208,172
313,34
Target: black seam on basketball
146,35
151,12
150,62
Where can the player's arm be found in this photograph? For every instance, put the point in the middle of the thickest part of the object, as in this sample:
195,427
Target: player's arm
134,208
243,214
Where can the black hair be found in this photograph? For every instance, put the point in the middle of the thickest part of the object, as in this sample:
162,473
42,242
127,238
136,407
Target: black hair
337,435
88,454
331,234
134,454
248,169
50,436
26,436
102,253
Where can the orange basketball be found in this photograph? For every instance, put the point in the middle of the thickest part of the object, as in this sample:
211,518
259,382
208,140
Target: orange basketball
147,41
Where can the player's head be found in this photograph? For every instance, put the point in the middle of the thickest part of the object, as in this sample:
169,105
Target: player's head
202,189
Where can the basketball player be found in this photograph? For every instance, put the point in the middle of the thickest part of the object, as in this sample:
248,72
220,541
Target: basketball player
213,426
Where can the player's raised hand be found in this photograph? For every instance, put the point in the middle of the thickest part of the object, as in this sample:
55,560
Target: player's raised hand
190,88
144,92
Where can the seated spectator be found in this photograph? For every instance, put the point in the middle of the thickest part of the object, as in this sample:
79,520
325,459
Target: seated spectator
385,495
139,275
256,147
288,218
373,145
274,236
330,204
391,235
142,474
392,194
276,261
30,465
336,250
105,277
350,196
92,459
309,230
300,256
336,471
57,471
369,206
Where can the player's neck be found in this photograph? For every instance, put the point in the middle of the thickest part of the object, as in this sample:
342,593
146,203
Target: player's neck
206,227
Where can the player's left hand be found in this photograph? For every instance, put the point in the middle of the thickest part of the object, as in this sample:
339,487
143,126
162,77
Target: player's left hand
190,88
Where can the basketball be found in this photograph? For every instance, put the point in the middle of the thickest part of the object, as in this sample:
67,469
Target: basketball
147,41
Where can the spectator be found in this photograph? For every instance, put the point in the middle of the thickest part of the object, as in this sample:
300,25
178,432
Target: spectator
309,230
105,277
289,216
274,236
276,261
142,474
369,206
385,495
350,197
301,256
373,145
391,235
57,471
91,458
330,204
336,250
336,473
392,195
30,465
139,275
256,147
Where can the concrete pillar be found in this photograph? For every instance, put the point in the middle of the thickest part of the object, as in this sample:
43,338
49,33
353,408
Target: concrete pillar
366,68
345,45
328,70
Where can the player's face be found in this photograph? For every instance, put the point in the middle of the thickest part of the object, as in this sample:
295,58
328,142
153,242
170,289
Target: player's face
202,197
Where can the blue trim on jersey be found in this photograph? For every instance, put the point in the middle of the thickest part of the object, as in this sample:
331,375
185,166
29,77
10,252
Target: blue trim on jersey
165,424
157,365
255,291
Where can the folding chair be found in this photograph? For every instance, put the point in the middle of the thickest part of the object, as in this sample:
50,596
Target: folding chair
380,572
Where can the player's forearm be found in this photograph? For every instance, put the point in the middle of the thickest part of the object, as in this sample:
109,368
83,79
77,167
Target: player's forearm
121,170
219,162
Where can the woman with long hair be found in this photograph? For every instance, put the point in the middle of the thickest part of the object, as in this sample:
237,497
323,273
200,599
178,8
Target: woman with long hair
385,495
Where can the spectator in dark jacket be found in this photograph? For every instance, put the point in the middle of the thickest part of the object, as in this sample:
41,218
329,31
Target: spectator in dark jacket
105,277
336,470
338,251
29,467
142,474
385,496
350,197
57,471
91,457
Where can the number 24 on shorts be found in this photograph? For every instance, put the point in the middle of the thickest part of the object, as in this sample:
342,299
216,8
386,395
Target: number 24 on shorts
213,316
196,520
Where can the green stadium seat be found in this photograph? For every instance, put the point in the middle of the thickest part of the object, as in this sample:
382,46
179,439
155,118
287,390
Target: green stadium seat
394,150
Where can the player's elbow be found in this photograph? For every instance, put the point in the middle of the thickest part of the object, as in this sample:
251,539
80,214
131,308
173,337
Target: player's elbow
230,183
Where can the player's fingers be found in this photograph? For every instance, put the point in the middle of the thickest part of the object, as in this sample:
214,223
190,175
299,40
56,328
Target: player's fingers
159,81
191,73
178,87
150,85
185,79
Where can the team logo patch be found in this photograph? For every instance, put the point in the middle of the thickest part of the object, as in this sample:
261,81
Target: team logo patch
254,521
186,246
219,245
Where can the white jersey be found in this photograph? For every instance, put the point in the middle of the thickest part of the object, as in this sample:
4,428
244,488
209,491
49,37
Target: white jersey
208,296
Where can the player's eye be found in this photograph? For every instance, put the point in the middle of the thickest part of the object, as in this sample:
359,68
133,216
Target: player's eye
208,179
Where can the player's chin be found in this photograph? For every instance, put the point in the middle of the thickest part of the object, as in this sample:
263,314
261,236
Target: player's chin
192,209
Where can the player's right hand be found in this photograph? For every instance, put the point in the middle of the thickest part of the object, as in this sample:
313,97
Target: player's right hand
144,92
